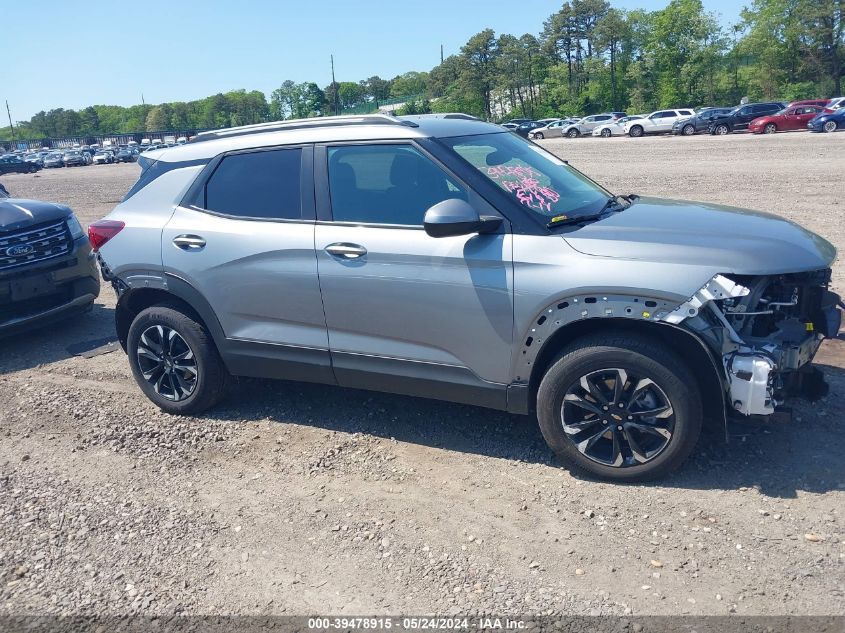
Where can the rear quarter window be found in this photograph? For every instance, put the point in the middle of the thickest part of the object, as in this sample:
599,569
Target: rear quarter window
150,170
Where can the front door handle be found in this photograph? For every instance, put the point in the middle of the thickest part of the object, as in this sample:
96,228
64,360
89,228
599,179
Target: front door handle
189,242
345,250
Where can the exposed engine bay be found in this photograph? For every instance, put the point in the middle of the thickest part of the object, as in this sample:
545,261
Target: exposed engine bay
767,330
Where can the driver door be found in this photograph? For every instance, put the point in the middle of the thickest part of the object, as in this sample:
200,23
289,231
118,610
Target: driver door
407,312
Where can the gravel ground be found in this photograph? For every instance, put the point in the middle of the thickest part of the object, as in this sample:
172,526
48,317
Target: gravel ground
303,499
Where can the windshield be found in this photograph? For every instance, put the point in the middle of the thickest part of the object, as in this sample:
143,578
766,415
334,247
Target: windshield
534,177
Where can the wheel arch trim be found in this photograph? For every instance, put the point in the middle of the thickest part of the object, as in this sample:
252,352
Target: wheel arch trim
569,318
134,299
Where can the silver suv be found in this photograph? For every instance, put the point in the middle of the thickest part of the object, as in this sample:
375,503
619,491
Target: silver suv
444,257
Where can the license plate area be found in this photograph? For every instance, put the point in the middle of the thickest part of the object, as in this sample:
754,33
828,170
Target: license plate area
30,287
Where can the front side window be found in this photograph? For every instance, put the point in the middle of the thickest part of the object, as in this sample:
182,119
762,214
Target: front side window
262,184
386,184
535,178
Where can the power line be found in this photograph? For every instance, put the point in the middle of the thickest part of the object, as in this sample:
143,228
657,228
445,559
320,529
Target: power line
11,125
334,86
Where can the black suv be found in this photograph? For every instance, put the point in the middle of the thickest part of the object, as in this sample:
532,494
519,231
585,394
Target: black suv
47,269
10,164
700,122
742,115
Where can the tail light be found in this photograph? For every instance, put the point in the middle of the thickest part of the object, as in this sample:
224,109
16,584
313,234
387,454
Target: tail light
102,231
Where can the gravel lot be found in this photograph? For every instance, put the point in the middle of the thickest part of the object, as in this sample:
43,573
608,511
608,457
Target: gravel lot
303,499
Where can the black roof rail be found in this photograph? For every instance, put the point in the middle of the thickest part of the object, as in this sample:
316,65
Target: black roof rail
302,124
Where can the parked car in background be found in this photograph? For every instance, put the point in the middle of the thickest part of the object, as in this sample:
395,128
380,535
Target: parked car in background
54,159
615,128
789,119
551,130
658,122
14,164
525,129
835,103
741,116
619,115
828,121
624,322
822,103
47,269
103,157
34,158
586,125
700,122
126,155
74,158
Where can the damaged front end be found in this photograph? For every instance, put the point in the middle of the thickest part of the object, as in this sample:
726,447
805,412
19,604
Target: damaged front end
767,329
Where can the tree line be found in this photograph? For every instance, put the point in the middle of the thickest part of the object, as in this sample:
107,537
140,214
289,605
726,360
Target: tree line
588,57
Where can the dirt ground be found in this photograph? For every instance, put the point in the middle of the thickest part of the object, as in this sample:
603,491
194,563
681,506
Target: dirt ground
302,499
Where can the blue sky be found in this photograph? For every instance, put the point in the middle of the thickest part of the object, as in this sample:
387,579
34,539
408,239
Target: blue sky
71,55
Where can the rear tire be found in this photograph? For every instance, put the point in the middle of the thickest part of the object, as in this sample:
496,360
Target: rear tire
174,360
650,376
636,131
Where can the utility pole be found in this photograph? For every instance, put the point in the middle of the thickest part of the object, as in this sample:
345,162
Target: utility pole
11,125
441,53
142,99
334,86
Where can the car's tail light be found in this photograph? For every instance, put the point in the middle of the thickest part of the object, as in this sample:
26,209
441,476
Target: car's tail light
102,231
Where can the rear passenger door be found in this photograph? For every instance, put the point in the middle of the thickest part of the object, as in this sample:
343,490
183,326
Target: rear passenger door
746,115
244,239
406,311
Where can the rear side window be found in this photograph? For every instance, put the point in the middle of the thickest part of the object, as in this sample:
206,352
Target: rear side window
685,112
257,185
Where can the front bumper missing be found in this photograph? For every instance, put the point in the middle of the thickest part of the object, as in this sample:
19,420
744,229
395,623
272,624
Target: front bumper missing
759,377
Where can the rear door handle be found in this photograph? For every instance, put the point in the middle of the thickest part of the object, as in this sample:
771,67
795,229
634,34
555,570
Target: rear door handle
345,250
189,242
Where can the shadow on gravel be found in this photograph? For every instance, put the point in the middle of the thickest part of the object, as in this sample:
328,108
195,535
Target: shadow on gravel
779,459
57,341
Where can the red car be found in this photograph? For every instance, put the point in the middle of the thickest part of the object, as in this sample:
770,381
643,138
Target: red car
790,118
816,102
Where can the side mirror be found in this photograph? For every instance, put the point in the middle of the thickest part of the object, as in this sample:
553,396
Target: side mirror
457,217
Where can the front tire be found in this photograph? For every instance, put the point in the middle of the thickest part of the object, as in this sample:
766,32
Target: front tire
174,360
770,128
688,130
606,133
636,131
539,135
721,130
620,407
573,133
829,126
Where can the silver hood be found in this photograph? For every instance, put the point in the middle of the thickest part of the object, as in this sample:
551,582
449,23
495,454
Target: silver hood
677,232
